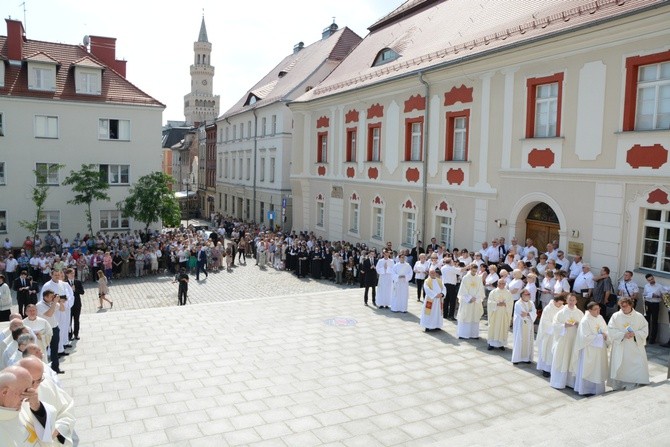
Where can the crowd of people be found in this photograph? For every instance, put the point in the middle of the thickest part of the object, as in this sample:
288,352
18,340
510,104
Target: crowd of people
587,329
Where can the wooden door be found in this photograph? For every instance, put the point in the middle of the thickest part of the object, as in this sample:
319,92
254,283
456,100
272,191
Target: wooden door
541,233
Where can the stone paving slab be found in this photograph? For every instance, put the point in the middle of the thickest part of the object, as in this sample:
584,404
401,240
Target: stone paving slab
297,370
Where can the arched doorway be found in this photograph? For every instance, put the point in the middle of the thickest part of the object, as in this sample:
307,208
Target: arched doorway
542,226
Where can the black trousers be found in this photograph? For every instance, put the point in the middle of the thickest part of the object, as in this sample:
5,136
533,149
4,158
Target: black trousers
374,294
75,312
53,348
419,288
181,296
652,319
450,301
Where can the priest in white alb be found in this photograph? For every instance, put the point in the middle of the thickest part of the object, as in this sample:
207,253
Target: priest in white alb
384,269
628,331
402,273
431,312
564,362
470,310
545,335
500,306
591,349
524,328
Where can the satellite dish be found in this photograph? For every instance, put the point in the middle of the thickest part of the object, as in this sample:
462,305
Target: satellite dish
87,40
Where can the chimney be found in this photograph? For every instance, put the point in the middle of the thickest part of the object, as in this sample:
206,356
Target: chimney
329,31
15,38
298,46
104,48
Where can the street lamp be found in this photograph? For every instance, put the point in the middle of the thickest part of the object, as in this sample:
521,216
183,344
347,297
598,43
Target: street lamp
187,183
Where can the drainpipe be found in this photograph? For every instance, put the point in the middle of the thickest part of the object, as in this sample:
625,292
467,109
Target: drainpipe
426,133
255,161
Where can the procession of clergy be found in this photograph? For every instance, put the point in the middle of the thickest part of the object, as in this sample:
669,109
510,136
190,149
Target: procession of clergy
573,346
34,409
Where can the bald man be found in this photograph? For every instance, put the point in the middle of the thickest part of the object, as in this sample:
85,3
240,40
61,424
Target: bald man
40,327
34,350
50,393
22,423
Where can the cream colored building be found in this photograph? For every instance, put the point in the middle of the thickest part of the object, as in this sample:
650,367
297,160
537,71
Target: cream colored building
468,121
70,105
254,136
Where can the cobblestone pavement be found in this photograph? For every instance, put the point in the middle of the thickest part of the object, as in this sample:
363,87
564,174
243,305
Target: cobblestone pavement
242,282
265,358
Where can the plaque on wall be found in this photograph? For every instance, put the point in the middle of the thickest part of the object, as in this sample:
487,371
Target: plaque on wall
575,248
336,192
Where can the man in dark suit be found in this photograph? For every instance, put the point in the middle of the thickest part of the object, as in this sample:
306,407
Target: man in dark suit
22,287
75,311
433,244
370,278
202,263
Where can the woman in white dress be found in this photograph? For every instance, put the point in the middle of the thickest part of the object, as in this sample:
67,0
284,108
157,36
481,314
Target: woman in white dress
591,350
431,312
420,272
523,329
547,289
516,285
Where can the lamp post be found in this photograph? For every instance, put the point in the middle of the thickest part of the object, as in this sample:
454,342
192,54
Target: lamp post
188,200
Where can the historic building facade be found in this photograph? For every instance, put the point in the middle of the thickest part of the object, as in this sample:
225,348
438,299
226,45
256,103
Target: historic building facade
62,106
255,135
466,122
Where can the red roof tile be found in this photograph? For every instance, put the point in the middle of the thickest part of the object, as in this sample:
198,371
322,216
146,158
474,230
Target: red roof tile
115,88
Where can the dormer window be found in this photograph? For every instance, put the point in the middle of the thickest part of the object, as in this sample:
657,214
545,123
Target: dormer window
42,72
251,99
385,56
282,74
88,77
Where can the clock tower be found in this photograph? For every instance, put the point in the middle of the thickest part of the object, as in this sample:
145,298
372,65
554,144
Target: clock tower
201,105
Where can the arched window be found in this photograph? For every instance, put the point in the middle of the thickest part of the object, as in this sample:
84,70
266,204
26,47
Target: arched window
385,56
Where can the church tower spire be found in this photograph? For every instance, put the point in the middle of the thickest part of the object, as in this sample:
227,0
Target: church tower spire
201,105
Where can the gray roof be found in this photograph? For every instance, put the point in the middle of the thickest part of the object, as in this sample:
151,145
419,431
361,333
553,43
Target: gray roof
298,71
431,33
202,37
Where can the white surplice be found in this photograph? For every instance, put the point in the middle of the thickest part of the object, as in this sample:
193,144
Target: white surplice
469,313
524,331
591,347
545,336
629,364
499,316
402,273
564,360
431,312
384,269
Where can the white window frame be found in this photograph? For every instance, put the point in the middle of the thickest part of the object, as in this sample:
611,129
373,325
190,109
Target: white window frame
323,147
46,126
109,216
273,164
122,129
274,124
49,221
354,217
249,133
3,180
225,167
408,228
378,223
41,77
227,132
445,229
248,168
234,163
546,110
88,81
3,221
663,226
415,140
660,81
52,173
320,214
117,170
262,170
460,138
263,125
240,162
376,140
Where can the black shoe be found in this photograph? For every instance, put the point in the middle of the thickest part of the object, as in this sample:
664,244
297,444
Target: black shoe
502,348
489,348
67,345
59,371
76,337
462,338
515,363
546,374
63,354
528,363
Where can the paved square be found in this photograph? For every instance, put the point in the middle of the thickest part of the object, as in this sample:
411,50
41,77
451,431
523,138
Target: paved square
315,367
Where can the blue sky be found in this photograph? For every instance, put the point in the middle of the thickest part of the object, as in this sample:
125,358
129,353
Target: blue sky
156,37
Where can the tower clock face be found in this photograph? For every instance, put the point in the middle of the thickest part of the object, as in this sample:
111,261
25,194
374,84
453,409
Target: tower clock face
204,82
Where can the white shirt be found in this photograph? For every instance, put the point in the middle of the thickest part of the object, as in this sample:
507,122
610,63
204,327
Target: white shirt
575,269
628,288
450,274
583,281
653,294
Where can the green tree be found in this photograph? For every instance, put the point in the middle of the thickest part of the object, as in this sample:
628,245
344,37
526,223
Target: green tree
88,184
151,200
39,194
